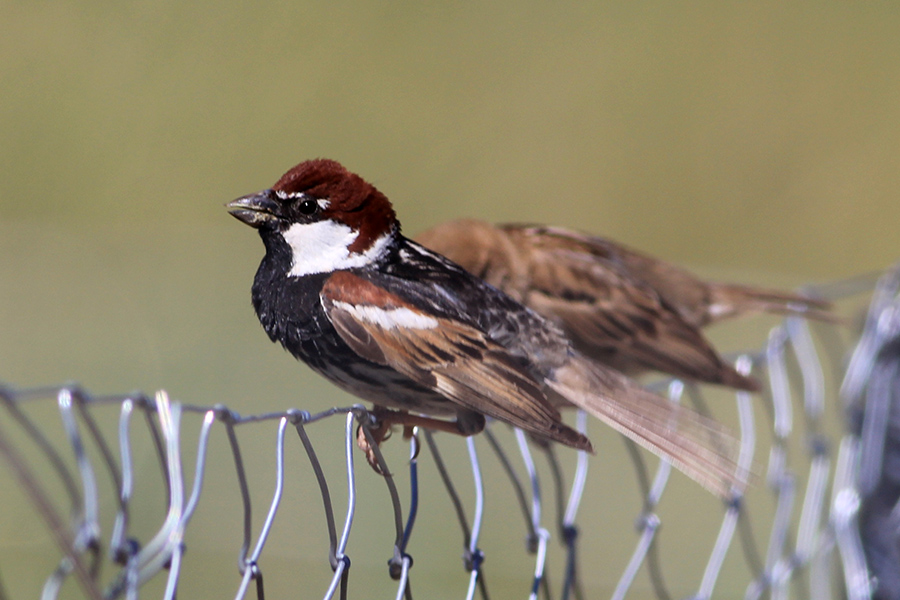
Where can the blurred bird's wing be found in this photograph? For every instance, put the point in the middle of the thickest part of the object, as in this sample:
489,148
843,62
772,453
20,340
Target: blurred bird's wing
697,301
610,314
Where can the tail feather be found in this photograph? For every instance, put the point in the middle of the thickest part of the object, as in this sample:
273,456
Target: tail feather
728,300
700,447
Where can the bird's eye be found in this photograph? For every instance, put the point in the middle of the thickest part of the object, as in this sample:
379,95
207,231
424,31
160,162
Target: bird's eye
308,206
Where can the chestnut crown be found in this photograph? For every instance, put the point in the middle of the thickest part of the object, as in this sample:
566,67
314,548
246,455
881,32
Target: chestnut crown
326,186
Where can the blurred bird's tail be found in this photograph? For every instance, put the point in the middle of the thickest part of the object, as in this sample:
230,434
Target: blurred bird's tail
728,301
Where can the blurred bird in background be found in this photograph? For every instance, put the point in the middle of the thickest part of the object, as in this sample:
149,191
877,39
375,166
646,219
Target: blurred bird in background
620,307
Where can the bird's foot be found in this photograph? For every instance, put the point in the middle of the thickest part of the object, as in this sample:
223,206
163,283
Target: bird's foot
380,429
381,421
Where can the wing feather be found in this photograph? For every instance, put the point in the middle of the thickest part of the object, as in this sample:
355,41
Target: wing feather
455,359
613,316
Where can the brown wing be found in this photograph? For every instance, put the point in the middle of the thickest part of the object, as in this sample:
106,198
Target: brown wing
698,302
452,358
685,293
610,313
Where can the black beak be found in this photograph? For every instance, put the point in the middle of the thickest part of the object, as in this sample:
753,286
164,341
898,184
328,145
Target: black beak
255,209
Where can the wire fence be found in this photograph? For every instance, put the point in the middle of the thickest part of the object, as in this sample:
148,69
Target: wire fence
834,530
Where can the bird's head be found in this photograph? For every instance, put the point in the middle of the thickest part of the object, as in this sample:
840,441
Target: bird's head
328,217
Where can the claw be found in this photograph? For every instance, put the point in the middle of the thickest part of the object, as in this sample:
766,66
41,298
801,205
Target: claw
379,432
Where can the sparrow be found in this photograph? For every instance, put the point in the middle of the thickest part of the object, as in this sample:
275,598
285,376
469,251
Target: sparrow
618,306
430,344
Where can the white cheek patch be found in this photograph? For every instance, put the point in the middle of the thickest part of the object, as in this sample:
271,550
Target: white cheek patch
323,247
389,318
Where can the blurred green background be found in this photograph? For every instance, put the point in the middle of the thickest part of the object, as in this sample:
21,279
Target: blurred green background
755,141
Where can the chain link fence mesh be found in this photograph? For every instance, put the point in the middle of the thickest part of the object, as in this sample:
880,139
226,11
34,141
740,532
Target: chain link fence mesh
820,518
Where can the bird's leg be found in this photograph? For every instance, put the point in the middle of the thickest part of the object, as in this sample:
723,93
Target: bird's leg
385,418
408,420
